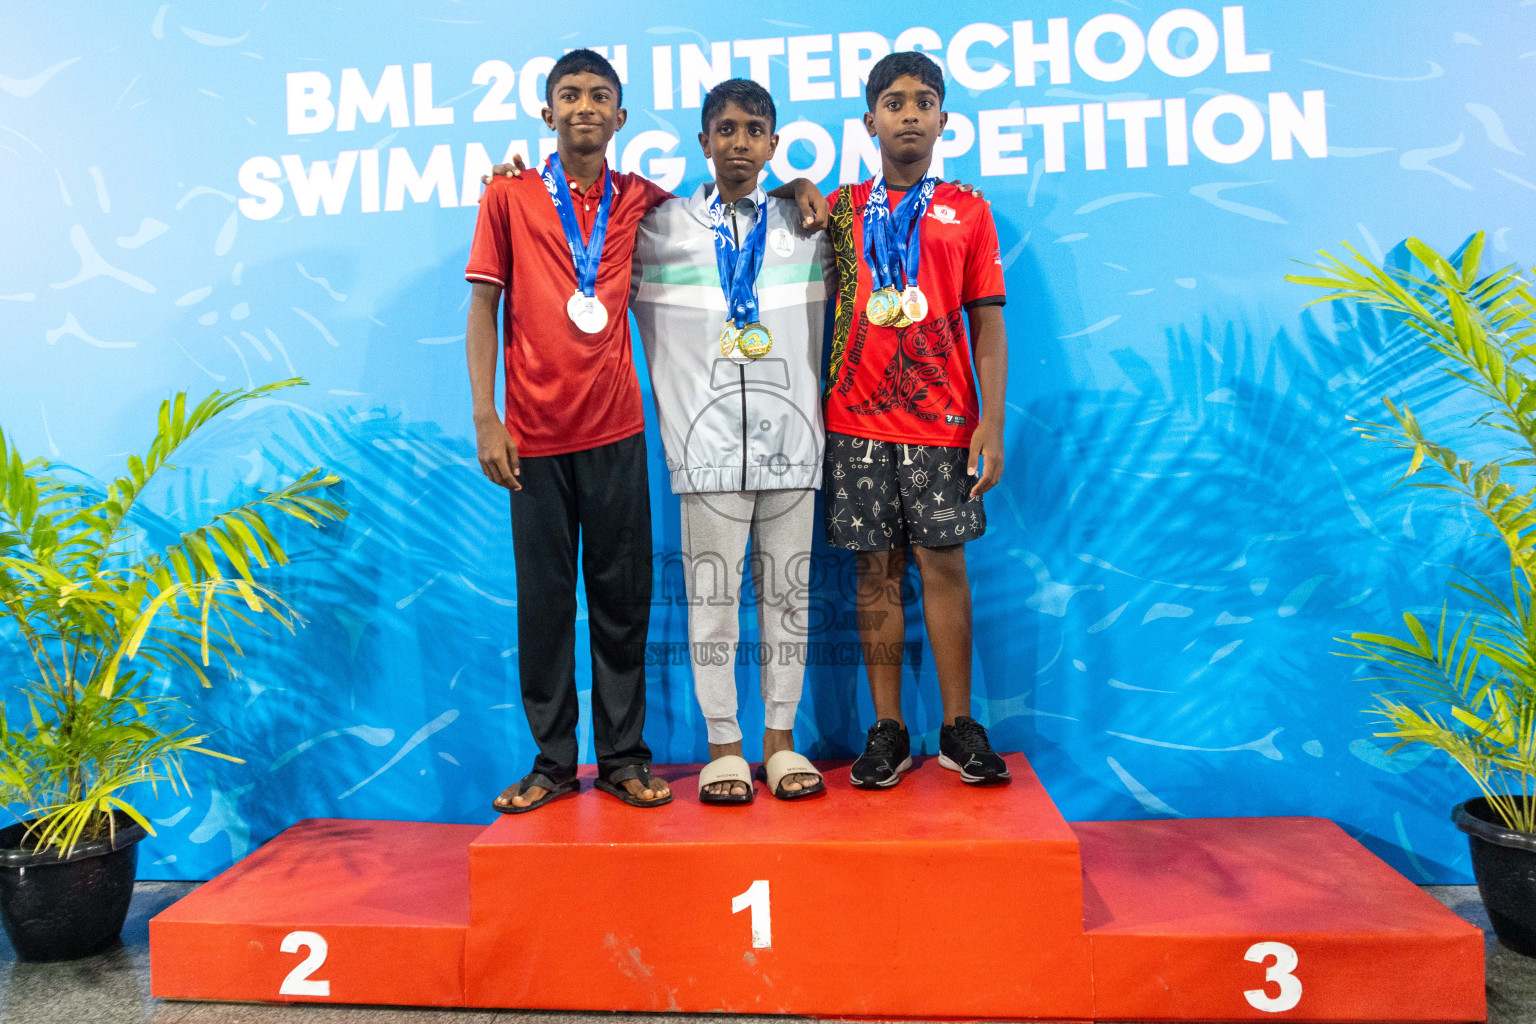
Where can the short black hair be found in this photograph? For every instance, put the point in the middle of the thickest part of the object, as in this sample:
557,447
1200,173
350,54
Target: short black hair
576,62
908,62
746,94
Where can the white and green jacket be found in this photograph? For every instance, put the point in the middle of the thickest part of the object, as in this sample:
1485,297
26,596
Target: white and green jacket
730,427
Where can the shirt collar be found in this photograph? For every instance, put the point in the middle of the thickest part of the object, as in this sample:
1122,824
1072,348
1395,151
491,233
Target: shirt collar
596,191
757,197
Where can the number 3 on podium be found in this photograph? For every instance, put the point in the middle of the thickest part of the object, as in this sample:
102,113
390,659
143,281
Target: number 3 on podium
756,897
1279,973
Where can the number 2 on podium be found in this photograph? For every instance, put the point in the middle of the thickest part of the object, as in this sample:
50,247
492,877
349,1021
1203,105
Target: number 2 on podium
299,982
756,897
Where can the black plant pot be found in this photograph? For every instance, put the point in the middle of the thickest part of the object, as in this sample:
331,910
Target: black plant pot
1504,863
62,909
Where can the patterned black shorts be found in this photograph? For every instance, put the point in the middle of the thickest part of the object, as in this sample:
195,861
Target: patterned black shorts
884,494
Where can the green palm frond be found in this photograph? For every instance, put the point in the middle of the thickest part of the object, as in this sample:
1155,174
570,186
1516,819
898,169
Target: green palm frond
98,614
176,427
1468,689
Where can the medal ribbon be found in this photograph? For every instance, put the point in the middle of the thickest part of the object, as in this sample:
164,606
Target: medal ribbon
739,266
884,226
585,256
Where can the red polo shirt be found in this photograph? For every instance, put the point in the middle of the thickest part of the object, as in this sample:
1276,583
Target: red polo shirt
566,390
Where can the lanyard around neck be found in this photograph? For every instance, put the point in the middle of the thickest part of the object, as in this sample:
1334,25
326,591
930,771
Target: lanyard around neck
584,255
739,265
895,235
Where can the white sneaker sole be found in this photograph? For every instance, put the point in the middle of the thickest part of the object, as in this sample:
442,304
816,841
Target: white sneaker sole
945,761
905,765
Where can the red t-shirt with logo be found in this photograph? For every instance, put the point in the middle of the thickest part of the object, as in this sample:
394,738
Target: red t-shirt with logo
566,390
913,384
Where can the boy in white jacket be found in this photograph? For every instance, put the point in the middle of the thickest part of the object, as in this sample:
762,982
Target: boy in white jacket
729,294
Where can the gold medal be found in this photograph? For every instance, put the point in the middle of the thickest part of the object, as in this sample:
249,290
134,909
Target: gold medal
914,305
874,309
884,306
728,338
755,341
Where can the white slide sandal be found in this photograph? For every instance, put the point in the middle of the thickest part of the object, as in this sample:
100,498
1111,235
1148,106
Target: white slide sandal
730,768
784,764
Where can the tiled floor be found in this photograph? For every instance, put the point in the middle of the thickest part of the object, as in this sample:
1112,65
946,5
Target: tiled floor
113,988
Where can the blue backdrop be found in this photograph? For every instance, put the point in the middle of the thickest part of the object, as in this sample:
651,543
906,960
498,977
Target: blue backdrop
1186,521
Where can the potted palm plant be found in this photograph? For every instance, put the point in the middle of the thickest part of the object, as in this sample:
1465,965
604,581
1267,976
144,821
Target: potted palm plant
100,613
1468,681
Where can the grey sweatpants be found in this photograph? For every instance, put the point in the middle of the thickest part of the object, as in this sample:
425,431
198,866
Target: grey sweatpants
715,531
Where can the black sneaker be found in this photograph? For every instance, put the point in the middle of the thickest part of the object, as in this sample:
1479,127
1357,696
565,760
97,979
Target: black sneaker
887,753
963,748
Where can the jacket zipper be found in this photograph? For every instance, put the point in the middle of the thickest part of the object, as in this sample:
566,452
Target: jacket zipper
741,370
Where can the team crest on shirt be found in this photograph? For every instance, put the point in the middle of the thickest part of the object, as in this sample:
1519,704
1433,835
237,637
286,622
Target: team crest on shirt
943,214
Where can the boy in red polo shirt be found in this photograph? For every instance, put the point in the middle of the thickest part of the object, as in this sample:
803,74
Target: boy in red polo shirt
572,447
916,259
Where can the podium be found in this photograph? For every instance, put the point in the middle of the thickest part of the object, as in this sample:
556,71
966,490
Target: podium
929,900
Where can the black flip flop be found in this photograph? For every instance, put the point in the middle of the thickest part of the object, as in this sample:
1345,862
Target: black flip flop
641,773
555,791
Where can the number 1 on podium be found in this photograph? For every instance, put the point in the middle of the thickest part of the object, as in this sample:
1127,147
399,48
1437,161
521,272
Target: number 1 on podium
756,897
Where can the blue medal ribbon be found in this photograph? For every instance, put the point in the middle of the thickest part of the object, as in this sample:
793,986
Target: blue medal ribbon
892,234
584,255
739,265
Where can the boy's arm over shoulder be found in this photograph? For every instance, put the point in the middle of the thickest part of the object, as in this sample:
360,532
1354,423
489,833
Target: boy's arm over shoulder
983,282
840,218
840,213
819,239
653,245
651,233
661,235
651,194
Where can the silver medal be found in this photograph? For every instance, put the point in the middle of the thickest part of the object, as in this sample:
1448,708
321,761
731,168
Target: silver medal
586,313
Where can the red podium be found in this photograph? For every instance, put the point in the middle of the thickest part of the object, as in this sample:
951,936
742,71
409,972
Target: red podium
931,900
333,911
850,905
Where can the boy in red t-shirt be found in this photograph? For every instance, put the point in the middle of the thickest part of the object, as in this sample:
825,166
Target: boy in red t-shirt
571,448
916,259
